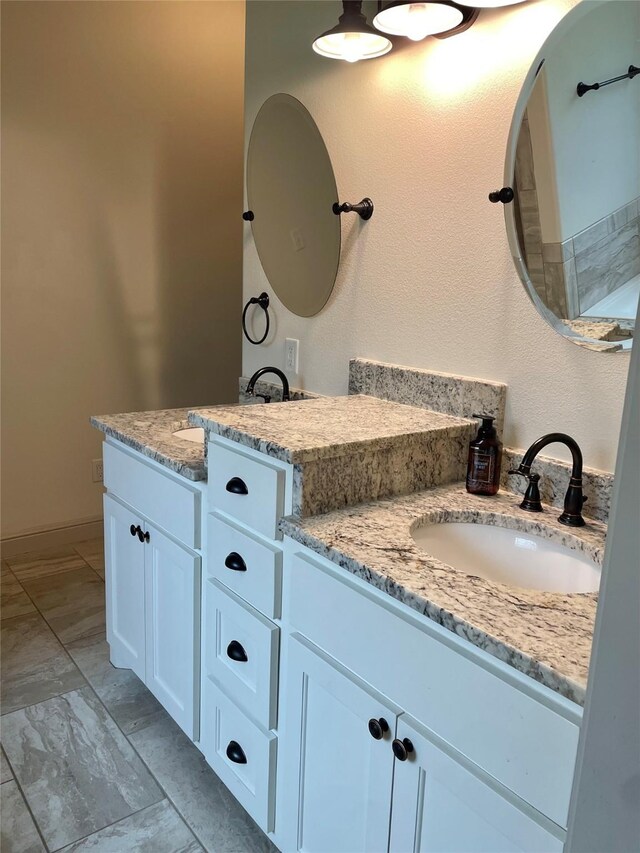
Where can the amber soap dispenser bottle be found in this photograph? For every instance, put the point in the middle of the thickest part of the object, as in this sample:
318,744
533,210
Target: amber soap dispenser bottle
485,458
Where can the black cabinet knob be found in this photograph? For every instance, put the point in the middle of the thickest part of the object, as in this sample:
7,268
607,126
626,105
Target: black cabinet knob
235,651
235,562
235,753
136,530
377,728
237,486
248,216
402,748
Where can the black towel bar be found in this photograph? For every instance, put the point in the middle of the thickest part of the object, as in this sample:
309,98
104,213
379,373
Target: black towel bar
583,88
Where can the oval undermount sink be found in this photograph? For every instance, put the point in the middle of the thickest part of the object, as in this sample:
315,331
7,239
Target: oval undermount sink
510,557
195,434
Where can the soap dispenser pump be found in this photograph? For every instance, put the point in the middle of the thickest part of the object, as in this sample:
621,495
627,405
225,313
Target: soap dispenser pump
485,458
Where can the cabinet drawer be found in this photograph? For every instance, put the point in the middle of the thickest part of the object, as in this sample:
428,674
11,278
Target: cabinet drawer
229,735
241,653
247,489
171,505
245,563
524,742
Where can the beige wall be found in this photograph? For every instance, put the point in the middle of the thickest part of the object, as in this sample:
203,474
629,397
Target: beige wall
122,237
429,280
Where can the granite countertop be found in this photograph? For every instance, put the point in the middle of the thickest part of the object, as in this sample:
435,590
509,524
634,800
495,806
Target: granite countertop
545,635
151,433
308,430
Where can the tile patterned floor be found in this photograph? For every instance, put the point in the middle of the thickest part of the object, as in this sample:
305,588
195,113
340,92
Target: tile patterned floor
14,600
90,761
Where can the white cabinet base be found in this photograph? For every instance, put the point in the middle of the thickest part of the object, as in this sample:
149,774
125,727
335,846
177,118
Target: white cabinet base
241,753
440,805
124,587
335,775
152,582
172,619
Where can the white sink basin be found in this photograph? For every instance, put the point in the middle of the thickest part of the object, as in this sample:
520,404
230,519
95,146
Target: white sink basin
195,434
509,557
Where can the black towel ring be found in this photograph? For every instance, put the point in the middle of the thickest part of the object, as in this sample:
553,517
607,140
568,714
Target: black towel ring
263,302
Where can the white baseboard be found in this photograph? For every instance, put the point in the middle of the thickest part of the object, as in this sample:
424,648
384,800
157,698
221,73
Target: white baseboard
53,537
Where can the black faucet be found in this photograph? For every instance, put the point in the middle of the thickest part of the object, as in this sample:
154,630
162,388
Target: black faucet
252,383
574,499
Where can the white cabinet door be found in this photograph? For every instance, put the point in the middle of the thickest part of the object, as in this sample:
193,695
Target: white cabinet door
124,580
172,616
336,775
441,806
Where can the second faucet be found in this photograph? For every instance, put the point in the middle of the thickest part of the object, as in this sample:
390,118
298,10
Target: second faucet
251,384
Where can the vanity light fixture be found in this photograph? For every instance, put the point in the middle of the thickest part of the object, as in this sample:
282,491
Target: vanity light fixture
416,21
352,38
494,4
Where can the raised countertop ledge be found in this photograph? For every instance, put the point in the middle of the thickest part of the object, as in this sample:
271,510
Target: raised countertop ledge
545,635
327,427
151,433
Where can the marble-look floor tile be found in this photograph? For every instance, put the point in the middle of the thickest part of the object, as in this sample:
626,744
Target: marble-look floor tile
77,770
624,215
14,600
72,603
35,666
530,219
608,264
584,240
125,697
557,253
41,563
5,770
525,174
214,815
18,833
92,551
156,829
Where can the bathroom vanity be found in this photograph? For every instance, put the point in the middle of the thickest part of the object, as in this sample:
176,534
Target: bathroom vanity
352,691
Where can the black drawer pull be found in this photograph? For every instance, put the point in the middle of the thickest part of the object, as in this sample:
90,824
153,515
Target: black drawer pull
235,651
402,748
133,529
235,562
235,753
237,486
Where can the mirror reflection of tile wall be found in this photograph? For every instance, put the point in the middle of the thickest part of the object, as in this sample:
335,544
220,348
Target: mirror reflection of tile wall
576,274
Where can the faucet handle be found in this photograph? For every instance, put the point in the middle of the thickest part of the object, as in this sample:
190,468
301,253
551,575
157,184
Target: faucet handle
531,501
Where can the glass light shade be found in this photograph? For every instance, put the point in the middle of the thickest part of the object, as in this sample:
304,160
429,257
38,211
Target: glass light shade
351,46
418,20
491,4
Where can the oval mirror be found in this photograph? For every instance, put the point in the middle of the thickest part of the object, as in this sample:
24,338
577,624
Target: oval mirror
573,161
291,189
